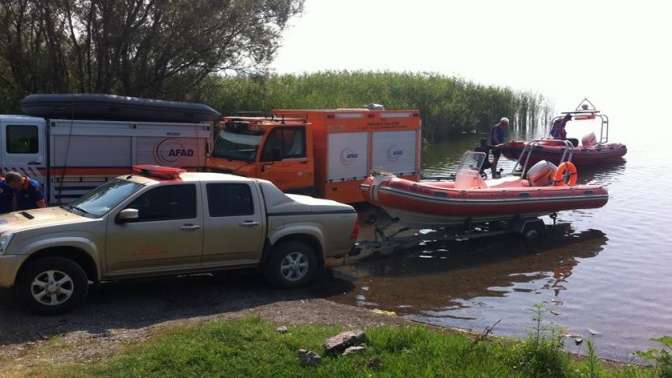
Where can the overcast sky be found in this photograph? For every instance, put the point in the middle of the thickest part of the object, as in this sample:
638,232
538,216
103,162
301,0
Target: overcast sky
618,53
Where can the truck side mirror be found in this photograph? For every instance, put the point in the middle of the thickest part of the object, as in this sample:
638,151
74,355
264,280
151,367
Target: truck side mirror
128,215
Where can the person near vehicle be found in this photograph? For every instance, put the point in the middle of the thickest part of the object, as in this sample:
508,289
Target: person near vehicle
26,192
483,147
558,129
498,136
6,197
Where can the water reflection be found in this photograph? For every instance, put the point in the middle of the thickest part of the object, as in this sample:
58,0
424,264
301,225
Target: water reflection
603,174
439,276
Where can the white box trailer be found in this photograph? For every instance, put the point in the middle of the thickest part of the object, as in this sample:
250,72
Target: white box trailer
71,157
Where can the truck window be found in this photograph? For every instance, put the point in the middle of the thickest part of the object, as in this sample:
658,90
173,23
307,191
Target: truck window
21,139
285,143
228,200
236,145
166,203
99,201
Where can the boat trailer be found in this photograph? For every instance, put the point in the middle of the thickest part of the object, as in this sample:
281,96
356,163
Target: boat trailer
391,237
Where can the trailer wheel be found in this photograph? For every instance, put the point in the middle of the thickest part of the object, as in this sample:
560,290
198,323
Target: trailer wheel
533,231
291,264
52,285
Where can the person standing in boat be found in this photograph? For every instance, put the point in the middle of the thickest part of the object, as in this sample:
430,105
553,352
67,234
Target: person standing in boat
558,129
499,134
483,147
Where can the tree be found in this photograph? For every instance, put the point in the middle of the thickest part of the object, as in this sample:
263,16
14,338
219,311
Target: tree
152,48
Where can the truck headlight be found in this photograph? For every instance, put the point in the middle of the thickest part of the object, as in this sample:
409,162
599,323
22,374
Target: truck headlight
4,242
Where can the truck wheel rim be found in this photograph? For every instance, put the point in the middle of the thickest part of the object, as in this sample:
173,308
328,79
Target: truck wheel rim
52,288
294,266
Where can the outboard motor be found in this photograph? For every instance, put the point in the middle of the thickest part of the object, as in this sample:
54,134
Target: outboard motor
589,140
541,174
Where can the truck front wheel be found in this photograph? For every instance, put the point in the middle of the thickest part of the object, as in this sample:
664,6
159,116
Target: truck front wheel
52,285
291,264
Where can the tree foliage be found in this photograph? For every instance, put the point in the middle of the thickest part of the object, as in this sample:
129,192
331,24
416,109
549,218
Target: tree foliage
153,48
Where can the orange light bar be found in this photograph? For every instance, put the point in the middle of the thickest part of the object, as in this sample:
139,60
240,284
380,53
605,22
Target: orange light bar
157,171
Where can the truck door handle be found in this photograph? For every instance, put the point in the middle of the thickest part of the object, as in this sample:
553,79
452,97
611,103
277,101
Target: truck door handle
190,227
249,223
33,163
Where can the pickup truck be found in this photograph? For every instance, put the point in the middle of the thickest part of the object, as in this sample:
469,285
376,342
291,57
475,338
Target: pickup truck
165,221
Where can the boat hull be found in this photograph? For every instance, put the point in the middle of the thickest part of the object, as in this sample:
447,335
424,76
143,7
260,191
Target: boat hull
420,203
581,156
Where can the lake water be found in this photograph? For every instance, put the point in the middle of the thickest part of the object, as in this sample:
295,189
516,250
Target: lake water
607,278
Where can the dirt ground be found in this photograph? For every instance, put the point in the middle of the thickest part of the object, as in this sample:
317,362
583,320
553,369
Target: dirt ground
121,313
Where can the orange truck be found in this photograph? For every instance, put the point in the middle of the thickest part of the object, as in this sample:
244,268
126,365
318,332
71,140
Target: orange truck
325,152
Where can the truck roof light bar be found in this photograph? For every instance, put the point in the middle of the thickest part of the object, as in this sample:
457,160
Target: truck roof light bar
157,171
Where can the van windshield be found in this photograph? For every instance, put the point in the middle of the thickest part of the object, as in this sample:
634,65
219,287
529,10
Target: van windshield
236,145
104,198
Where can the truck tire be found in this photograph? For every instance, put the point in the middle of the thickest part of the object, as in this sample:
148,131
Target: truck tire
52,285
291,264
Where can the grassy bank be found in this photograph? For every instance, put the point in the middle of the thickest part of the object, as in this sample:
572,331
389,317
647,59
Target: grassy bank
253,348
447,104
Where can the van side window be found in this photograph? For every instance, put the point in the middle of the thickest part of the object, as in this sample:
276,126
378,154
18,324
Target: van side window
166,203
229,200
285,143
21,139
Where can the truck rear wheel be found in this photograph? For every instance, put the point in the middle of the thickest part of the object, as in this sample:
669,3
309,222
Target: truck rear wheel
52,285
291,264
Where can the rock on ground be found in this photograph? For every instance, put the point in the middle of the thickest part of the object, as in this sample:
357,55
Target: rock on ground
354,349
308,358
343,340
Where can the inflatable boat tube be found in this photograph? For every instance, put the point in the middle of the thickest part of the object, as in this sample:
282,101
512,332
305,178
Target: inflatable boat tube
115,108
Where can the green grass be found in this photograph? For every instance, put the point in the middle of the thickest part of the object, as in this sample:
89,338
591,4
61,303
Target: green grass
252,348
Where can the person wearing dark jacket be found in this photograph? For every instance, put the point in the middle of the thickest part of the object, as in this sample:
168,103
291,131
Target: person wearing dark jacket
558,129
483,147
498,136
6,198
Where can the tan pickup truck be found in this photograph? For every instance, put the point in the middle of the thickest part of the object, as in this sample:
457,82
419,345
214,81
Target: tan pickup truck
168,222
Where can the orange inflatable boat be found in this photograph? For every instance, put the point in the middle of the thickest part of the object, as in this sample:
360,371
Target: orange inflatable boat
592,150
543,189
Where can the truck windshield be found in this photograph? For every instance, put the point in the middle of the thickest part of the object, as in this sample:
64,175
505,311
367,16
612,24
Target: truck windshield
236,145
99,201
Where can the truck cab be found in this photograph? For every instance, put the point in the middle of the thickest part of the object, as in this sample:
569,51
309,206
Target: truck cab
24,146
276,149
325,152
